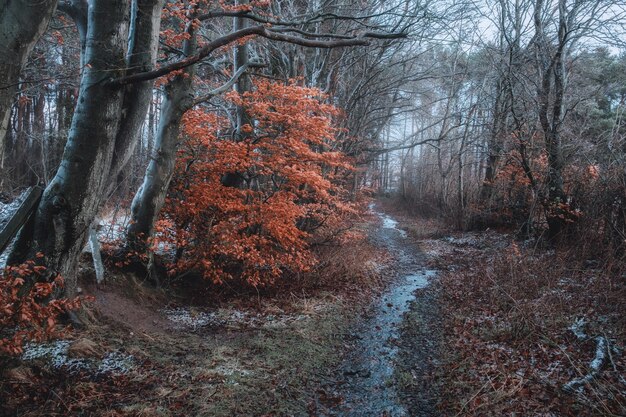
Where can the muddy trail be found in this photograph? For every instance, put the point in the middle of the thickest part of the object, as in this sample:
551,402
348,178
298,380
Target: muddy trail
368,378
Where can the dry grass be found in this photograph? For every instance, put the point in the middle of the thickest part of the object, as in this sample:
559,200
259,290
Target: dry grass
507,329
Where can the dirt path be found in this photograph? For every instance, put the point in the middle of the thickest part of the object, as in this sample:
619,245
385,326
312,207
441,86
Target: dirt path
369,384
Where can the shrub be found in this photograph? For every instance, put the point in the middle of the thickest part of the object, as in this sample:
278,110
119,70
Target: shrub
289,189
26,311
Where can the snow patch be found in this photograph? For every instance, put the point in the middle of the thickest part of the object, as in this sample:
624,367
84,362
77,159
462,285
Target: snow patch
56,355
231,370
7,210
190,318
112,228
595,366
116,363
464,241
578,329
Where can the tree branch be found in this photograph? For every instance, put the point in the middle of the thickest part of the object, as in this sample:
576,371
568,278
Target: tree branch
318,18
261,31
77,11
223,88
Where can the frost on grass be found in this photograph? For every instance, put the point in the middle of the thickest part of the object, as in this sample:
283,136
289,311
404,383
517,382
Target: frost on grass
232,369
470,241
578,329
190,318
56,355
116,363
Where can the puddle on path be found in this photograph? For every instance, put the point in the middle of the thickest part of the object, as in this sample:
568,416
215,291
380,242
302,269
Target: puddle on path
388,221
368,388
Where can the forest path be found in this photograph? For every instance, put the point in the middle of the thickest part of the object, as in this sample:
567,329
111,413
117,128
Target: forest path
369,385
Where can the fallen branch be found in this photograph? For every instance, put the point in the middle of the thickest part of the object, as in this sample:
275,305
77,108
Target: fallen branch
20,217
595,366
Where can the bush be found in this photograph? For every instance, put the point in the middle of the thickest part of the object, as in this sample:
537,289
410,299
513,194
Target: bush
289,190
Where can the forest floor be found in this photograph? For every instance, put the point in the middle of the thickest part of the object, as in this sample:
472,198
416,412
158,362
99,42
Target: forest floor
223,352
519,328
415,321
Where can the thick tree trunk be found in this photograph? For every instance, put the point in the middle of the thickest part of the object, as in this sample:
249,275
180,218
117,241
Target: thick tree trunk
69,205
95,150
138,96
21,25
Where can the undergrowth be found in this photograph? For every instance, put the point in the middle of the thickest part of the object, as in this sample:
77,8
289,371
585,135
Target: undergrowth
508,319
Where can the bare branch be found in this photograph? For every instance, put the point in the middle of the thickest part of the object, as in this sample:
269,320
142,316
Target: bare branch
225,87
262,31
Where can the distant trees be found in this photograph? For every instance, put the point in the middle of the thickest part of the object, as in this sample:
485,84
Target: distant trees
521,150
21,25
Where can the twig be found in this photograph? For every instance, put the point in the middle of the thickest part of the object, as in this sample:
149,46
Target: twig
473,396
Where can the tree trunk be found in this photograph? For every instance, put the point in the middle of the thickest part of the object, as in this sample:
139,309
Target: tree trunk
240,59
550,95
137,96
150,197
494,145
21,25
95,149
70,203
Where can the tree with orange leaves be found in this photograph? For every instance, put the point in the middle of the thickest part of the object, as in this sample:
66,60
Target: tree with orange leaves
290,188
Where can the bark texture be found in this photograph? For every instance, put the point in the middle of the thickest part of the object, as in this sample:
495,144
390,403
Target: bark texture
103,132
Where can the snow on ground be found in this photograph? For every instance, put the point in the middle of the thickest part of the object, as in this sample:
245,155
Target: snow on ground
435,248
232,368
57,356
4,256
6,212
190,318
112,227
